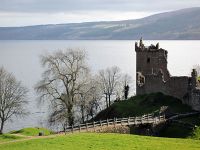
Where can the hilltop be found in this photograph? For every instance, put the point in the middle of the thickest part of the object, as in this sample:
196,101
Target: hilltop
143,104
176,25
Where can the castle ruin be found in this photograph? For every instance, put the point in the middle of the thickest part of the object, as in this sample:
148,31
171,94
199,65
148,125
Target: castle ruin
152,76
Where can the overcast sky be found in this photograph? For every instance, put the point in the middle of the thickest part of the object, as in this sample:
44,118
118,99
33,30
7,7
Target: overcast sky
32,12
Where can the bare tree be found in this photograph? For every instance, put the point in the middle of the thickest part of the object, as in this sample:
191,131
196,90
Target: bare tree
89,101
109,79
12,98
66,73
95,96
84,100
123,86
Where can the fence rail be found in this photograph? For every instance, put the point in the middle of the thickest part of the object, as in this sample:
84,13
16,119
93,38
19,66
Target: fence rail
145,119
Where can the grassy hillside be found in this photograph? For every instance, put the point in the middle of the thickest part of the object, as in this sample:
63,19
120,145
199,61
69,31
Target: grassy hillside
152,103
94,141
8,137
32,131
143,104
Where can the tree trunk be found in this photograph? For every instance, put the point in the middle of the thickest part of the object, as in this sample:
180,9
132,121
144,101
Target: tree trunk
82,114
70,115
1,128
107,101
92,115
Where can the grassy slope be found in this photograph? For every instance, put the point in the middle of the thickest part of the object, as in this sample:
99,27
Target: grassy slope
96,141
23,133
32,131
151,103
143,104
8,137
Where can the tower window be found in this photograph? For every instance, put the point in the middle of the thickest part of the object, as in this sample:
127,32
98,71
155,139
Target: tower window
148,60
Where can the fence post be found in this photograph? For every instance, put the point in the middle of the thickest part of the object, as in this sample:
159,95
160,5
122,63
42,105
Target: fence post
72,128
94,126
65,129
142,119
100,124
79,128
135,120
107,122
128,121
86,126
155,119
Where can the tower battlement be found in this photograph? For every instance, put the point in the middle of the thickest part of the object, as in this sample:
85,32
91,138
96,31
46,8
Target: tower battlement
142,47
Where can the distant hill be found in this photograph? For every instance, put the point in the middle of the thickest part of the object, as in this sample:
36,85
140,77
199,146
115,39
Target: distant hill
176,25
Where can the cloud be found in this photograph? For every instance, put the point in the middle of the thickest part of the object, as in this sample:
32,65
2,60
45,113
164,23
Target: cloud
31,12
53,6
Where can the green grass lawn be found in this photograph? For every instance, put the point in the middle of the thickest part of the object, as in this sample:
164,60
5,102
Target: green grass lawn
32,131
8,137
96,141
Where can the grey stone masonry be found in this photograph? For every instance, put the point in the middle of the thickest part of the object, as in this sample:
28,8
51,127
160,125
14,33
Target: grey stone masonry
152,76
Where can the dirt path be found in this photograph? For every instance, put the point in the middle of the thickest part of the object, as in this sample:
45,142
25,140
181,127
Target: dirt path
26,138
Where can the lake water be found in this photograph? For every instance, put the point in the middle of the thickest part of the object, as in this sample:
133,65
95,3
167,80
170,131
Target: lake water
22,58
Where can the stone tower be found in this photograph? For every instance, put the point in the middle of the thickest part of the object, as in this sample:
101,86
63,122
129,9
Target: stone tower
150,60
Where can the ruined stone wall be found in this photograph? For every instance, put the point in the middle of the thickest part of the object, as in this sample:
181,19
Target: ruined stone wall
153,84
153,76
175,86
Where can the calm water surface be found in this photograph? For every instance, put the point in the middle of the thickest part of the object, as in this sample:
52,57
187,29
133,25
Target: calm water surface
22,58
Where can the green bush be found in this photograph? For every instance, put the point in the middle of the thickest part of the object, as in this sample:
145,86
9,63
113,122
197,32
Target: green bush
196,133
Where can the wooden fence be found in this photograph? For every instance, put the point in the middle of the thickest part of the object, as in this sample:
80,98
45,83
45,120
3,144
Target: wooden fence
93,126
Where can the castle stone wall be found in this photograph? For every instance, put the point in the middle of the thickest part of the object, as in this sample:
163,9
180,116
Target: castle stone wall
177,86
153,76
